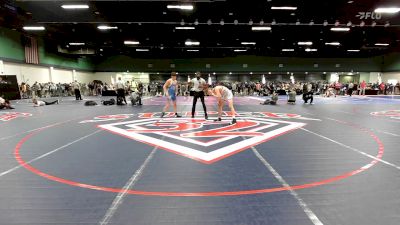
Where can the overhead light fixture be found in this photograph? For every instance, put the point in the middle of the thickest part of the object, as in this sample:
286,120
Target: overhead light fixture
236,22
192,50
353,50
103,27
283,8
76,43
196,22
288,50
185,28
33,28
373,24
311,50
75,6
240,50
131,42
142,50
304,43
260,28
181,7
192,43
390,10
230,72
248,43
340,29
382,44
251,22
325,23
333,43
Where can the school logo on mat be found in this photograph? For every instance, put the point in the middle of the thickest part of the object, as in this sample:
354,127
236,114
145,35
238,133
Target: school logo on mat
199,139
393,114
7,116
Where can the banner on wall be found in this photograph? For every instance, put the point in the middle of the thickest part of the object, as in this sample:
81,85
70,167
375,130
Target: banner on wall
9,87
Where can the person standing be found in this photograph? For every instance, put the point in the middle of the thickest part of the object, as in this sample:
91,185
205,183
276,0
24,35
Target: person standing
363,86
223,94
77,91
120,86
170,90
198,89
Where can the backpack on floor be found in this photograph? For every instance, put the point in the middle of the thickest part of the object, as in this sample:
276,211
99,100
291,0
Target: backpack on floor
90,103
109,102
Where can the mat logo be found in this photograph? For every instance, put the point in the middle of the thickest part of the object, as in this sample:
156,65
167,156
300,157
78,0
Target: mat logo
7,116
393,114
203,140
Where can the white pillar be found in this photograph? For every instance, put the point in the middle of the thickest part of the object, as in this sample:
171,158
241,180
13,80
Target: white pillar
73,75
1,67
51,71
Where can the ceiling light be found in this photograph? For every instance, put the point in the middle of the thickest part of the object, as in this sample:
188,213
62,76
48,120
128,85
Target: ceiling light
102,27
288,50
297,22
293,14
236,22
192,50
349,24
362,24
184,28
340,29
304,43
373,24
353,50
260,28
131,42
142,50
196,22
337,23
311,23
192,43
209,22
273,22
333,43
311,50
214,73
388,10
182,22
76,43
382,44
248,43
387,24
240,50
230,72
350,2
251,22
33,28
181,7
325,23
222,22
283,8
75,6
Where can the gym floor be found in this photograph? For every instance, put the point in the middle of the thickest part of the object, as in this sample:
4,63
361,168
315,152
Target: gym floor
334,162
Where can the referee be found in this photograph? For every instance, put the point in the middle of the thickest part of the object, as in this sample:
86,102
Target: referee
198,84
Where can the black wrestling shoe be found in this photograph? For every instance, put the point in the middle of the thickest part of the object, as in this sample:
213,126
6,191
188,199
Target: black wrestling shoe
233,121
218,120
177,115
162,114
206,117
